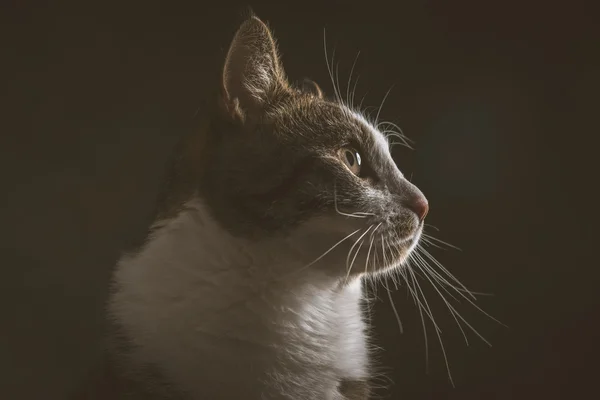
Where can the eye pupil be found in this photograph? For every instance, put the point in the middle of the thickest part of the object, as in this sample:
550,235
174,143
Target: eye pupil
350,158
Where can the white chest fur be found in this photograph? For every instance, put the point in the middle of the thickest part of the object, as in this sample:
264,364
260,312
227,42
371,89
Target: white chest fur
203,307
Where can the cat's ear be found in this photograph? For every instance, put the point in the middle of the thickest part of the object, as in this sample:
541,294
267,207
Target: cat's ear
252,73
311,86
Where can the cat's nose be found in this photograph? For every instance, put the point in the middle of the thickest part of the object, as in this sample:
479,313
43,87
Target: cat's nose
419,205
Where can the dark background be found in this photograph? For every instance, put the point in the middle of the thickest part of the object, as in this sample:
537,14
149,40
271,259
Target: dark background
500,98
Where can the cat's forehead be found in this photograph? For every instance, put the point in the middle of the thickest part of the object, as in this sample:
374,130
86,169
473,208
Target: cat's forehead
328,123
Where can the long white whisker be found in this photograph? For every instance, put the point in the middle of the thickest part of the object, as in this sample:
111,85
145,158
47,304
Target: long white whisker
438,333
362,100
432,226
435,275
353,259
403,141
358,214
350,80
355,243
328,251
460,292
444,282
329,69
354,91
420,307
428,242
370,247
398,129
337,210
394,309
448,273
431,238
423,268
454,312
337,77
382,102
394,273
414,292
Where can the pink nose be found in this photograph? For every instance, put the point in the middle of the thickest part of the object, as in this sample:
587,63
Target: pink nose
419,206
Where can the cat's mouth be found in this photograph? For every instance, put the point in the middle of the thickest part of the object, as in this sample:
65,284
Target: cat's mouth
401,238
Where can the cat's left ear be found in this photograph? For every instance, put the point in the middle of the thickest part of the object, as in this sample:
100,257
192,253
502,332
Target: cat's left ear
252,74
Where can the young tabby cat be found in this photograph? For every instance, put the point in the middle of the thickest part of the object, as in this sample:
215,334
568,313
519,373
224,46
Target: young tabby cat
249,284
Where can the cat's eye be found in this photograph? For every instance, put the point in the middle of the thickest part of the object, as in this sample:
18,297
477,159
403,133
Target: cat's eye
351,158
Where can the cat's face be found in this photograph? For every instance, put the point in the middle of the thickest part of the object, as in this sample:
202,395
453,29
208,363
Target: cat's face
286,162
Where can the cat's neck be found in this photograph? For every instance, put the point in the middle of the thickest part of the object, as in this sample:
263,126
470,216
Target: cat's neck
195,288
190,257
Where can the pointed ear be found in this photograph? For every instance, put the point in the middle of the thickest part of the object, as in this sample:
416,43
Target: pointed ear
253,71
311,86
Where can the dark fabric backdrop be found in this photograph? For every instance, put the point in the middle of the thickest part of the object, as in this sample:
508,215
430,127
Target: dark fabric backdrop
499,97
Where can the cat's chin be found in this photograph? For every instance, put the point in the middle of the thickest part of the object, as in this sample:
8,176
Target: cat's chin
396,256
385,255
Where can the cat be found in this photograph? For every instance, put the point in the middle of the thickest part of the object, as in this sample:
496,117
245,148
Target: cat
248,285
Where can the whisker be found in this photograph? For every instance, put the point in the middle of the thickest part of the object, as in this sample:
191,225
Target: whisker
398,129
328,251
354,245
362,100
438,333
353,259
432,226
352,215
350,80
354,91
443,280
337,77
420,307
403,140
431,238
382,102
385,260
395,133
421,266
434,274
394,309
370,247
427,242
329,69
448,273
455,313
413,291
436,262
384,248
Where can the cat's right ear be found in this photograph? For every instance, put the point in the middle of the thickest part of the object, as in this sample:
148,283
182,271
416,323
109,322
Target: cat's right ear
252,74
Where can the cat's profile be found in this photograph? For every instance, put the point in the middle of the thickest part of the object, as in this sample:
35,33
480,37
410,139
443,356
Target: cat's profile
249,283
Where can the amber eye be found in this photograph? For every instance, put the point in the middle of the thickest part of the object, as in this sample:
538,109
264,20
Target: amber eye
351,158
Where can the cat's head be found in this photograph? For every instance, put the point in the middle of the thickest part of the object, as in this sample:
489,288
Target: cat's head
286,162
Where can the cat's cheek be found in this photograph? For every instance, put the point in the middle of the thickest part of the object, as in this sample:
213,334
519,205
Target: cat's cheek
326,239
332,226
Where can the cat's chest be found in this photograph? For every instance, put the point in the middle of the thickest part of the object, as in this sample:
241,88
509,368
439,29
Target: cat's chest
192,306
